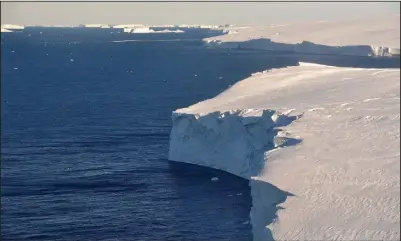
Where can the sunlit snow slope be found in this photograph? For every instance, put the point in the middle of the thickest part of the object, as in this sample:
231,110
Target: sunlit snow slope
320,144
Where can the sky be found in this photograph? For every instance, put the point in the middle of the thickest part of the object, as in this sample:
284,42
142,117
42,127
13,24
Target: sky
72,13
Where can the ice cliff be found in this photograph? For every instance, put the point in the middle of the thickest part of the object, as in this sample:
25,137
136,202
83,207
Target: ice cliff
319,144
306,47
234,141
348,37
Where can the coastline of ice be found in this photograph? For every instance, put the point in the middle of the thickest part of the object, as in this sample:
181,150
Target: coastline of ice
334,38
319,144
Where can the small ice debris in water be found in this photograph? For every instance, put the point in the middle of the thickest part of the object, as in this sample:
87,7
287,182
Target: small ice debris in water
40,33
15,68
12,51
229,195
239,194
220,77
246,222
195,75
214,179
72,60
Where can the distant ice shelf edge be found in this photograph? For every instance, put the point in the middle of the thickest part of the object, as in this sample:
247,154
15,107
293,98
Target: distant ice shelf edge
307,47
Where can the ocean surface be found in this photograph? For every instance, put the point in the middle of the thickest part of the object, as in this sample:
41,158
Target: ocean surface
85,124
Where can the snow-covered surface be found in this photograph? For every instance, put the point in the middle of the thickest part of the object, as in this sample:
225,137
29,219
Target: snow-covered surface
344,175
319,144
342,37
12,26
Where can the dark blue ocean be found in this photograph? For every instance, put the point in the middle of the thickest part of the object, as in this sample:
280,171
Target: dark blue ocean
85,124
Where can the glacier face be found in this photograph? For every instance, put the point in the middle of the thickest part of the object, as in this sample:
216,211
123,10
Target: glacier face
234,141
344,176
347,162
355,37
306,47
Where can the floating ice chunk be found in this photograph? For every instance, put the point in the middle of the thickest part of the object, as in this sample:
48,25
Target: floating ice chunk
15,68
12,26
239,194
72,60
214,179
246,222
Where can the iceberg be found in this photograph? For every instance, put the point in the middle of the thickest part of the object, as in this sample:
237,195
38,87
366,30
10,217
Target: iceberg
148,30
12,26
141,30
3,30
128,26
97,26
319,145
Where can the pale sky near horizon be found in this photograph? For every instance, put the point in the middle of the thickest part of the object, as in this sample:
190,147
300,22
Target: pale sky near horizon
36,13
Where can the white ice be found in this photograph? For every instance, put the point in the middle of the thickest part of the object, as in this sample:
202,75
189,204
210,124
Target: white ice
319,144
149,30
4,30
12,27
346,37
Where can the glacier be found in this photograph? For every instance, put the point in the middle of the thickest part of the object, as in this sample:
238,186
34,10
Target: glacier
319,144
